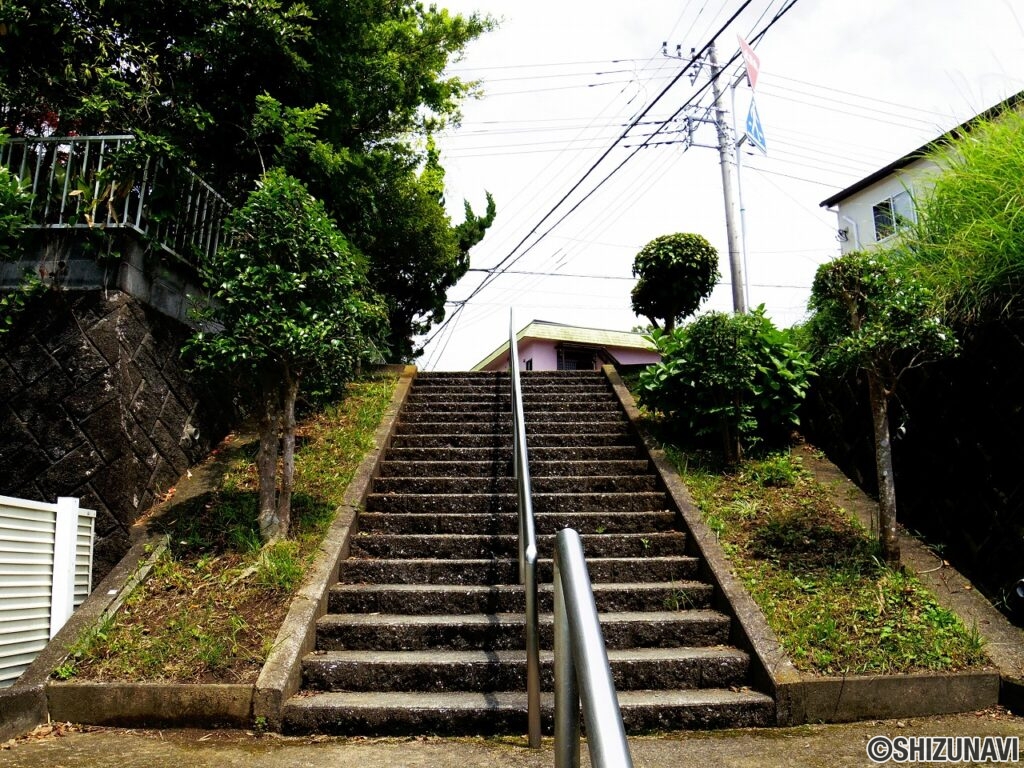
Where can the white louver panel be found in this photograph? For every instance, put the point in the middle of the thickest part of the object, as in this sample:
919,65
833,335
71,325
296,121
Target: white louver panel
28,590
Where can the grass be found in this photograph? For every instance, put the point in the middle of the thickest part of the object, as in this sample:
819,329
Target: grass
212,606
816,574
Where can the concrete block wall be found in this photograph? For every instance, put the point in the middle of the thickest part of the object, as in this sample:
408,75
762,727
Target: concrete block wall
95,403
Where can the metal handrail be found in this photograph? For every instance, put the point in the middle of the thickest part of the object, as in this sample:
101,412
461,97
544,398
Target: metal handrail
582,672
73,186
527,539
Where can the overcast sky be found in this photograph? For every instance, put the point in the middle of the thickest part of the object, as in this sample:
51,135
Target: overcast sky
845,88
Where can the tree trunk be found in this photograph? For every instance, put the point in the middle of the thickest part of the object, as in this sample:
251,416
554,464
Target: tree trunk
284,501
883,467
266,462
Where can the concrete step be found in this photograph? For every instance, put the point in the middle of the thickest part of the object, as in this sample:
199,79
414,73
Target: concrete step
483,671
441,503
423,599
507,485
495,453
507,631
452,714
495,468
531,408
605,425
503,398
502,420
506,570
619,437
473,546
507,522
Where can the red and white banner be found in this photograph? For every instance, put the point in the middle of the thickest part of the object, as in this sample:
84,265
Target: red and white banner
750,59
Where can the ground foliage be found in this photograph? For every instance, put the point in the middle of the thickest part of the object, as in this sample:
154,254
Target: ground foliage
214,603
817,576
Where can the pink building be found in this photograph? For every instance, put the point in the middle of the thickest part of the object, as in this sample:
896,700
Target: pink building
545,346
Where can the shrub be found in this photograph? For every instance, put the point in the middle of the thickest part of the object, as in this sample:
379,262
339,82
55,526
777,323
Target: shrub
734,378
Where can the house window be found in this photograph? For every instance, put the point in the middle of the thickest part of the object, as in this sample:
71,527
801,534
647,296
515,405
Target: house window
528,364
893,214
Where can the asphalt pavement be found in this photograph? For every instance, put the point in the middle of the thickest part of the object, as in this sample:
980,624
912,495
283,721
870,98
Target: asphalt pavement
831,746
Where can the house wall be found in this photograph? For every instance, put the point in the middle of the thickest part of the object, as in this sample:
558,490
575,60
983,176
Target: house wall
855,211
544,354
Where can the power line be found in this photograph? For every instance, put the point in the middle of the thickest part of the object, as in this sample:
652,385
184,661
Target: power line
512,257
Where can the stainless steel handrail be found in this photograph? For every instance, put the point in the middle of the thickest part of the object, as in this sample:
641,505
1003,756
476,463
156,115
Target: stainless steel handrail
582,672
527,539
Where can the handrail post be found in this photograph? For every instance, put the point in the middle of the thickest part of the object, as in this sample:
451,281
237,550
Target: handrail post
588,664
567,695
527,540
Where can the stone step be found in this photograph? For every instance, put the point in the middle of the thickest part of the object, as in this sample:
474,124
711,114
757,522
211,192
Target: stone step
507,522
538,454
425,599
607,425
506,570
486,671
503,468
440,503
507,485
501,421
620,437
507,631
473,546
531,409
532,402
451,714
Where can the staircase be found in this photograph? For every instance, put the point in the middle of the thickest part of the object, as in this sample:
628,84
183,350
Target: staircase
425,631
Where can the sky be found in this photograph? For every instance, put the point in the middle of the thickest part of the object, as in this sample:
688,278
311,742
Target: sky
844,89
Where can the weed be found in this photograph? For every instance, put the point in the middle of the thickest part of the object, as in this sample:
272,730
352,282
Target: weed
816,575
678,600
279,568
778,470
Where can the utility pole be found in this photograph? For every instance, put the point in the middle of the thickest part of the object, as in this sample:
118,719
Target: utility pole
727,160
726,147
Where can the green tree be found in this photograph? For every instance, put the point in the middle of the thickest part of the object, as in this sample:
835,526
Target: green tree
735,379
292,299
869,315
343,94
676,273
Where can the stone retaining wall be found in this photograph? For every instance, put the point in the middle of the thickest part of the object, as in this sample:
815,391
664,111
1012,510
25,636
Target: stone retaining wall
94,403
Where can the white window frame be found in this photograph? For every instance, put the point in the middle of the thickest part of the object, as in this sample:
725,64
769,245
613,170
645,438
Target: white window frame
900,211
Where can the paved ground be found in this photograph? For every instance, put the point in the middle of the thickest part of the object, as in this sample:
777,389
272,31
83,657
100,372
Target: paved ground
834,746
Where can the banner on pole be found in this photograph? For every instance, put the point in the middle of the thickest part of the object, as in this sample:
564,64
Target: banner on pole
754,131
750,59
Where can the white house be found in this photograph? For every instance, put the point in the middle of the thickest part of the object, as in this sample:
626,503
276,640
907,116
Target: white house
873,209
546,346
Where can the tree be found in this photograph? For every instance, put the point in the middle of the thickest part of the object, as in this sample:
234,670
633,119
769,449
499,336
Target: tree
676,273
871,316
293,298
344,94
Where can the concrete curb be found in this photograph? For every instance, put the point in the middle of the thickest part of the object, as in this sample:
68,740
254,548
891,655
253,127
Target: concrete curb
801,698
35,697
25,704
